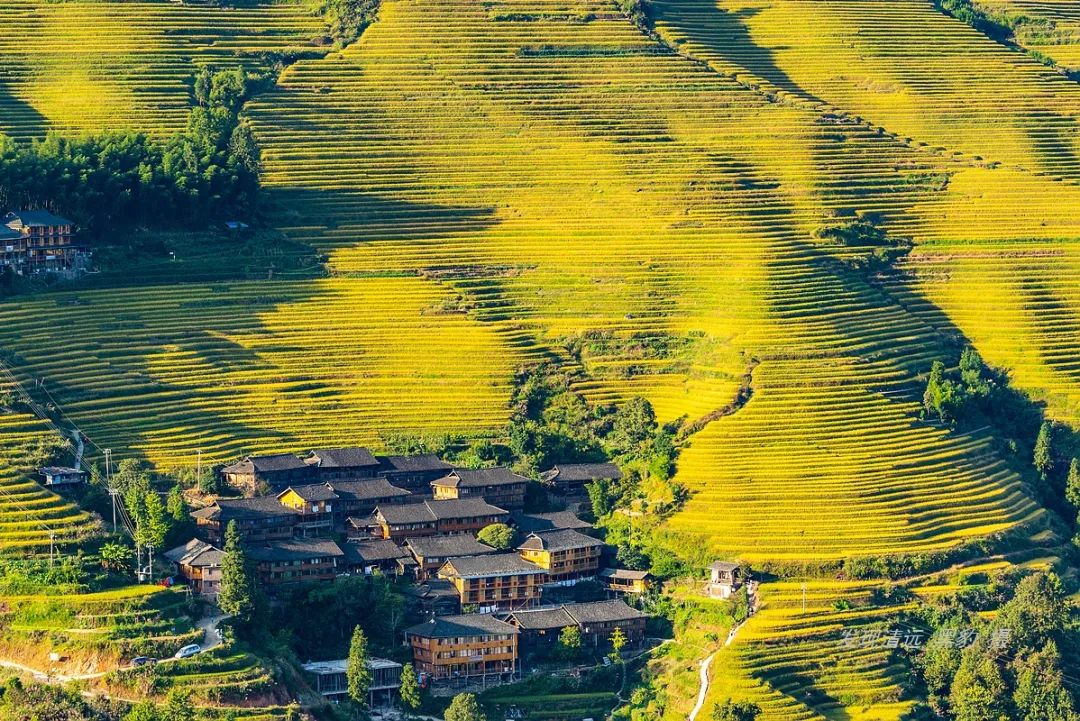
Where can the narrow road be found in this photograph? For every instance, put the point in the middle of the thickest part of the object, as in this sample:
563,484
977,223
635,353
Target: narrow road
706,663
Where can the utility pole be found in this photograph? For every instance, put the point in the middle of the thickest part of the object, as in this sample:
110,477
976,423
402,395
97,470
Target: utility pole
52,547
198,468
109,485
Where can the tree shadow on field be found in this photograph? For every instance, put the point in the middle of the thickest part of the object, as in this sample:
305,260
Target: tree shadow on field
173,366
1054,138
727,33
18,119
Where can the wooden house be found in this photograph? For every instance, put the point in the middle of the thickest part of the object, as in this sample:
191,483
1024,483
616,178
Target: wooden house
364,557
62,476
329,678
199,564
413,473
464,648
431,552
623,580
723,579
566,555
257,519
413,520
597,621
296,560
498,486
343,464
497,582
571,478
45,242
314,507
276,471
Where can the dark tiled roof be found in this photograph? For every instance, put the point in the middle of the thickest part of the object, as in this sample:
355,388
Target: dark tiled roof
464,508
431,511
196,553
603,612
371,550
473,624
367,490
413,464
7,233
563,540
294,549
460,544
536,522
228,509
312,493
500,564
480,478
355,457
723,566
624,573
398,514
263,464
433,588
583,472
58,471
543,618
33,218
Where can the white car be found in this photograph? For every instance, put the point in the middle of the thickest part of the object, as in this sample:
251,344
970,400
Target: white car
188,651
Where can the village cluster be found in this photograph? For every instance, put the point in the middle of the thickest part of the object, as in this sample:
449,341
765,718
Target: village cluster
344,511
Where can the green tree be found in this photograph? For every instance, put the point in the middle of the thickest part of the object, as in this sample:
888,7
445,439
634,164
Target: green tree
410,688
1072,484
143,711
569,647
357,672
237,594
497,535
979,692
464,707
735,711
1040,693
633,429
1043,459
177,706
115,557
156,521
176,506
618,642
600,497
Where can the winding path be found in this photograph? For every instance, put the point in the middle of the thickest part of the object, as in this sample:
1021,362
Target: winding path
706,663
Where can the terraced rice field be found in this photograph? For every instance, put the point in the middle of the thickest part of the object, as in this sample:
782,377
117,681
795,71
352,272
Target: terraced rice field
1052,27
95,630
901,65
818,661
252,367
134,70
564,173
30,514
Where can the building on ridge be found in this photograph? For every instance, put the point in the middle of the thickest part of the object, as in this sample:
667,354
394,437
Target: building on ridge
343,464
276,471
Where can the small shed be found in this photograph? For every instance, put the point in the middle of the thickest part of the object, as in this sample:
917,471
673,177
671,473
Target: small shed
724,579
62,476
